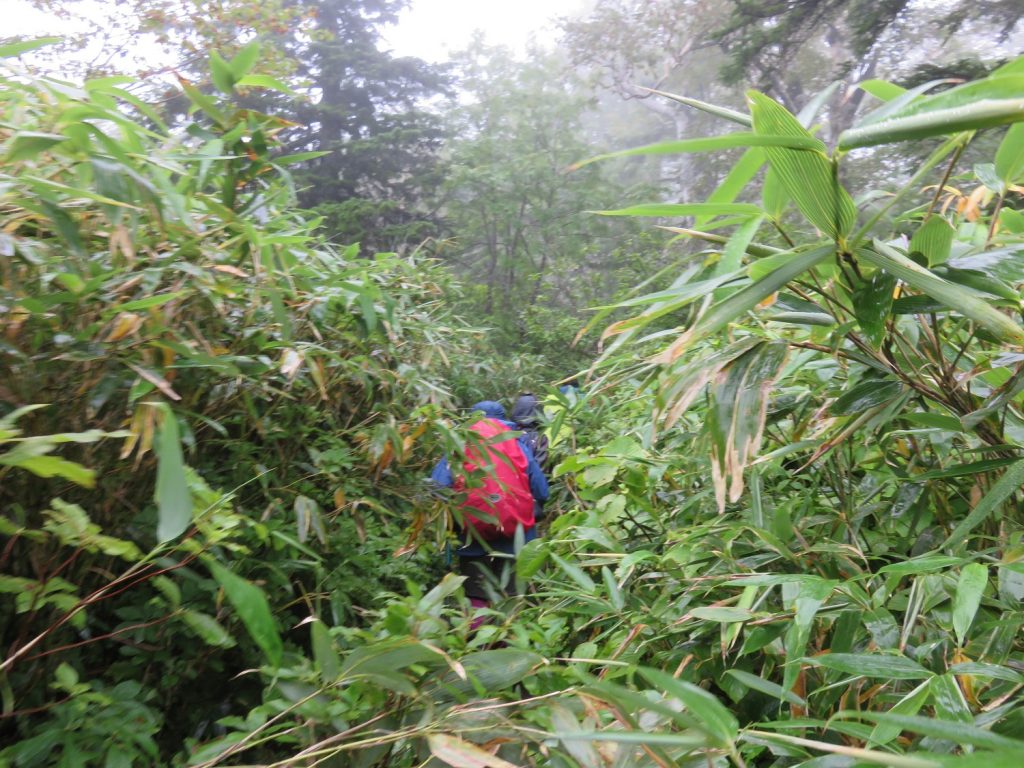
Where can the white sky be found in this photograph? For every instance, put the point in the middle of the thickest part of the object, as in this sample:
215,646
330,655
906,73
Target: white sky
432,29
429,29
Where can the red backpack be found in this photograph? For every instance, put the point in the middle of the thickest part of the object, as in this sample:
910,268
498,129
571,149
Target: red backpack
501,487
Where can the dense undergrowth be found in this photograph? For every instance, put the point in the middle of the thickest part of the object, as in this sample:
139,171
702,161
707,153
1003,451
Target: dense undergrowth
217,549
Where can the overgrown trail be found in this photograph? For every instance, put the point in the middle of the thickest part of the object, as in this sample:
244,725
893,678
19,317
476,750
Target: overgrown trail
786,528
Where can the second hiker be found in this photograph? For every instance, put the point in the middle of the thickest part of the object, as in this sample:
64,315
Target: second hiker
503,481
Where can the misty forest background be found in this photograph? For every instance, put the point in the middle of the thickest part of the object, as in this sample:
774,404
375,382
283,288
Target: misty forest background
253,267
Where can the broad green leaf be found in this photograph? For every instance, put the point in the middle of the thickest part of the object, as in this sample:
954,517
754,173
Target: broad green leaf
243,61
934,421
980,282
992,671
933,239
958,733
173,499
808,175
1004,488
1010,155
872,305
986,113
971,468
207,628
955,297
710,144
612,586
766,686
574,572
490,671
717,721
865,395
665,210
324,655
722,614
28,144
872,665
881,89
252,608
564,723
927,564
149,302
300,157
9,50
948,700
264,81
221,73
50,466
810,596
1007,85
909,705
969,589
204,103
531,558
900,101
744,300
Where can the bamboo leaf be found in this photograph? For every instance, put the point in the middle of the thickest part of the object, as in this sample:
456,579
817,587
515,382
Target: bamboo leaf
324,655
1010,155
463,754
684,209
739,404
872,304
865,395
717,721
765,686
955,297
243,61
220,73
710,144
933,240
744,300
958,733
711,109
872,665
10,50
265,81
735,181
969,589
173,498
807,175
28,144
252,608
982,114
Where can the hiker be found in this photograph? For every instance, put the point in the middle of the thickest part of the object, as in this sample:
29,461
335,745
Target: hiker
528,417
511,495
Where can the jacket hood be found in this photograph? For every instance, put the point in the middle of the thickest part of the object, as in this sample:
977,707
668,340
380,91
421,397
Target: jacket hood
490,409
526,411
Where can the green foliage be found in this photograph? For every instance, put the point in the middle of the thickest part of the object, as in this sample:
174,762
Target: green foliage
786,529
191,332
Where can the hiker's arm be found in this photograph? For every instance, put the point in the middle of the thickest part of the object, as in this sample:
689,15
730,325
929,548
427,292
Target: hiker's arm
442,474
538,483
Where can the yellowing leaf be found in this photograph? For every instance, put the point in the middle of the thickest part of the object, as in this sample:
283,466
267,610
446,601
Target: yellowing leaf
125,324
229,270
291,361
463,754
